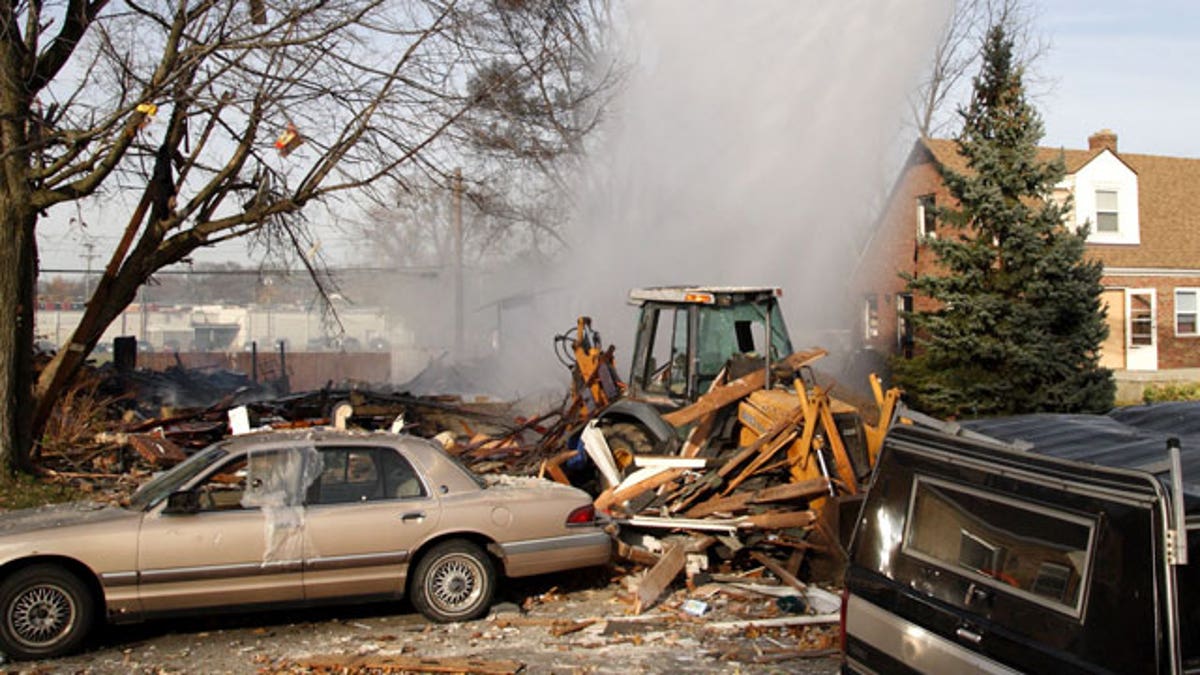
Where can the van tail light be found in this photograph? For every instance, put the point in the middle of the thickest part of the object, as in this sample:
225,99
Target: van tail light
584,515
842,618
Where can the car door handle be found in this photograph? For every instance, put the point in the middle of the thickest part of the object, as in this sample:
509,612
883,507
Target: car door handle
413,515
968,635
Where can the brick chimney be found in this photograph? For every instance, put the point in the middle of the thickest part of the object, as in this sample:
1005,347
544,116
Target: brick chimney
1105,138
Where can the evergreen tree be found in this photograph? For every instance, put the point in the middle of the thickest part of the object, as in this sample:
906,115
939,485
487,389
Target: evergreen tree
1016,323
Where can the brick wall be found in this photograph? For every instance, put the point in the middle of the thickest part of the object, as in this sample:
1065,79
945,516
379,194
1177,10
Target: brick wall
306,370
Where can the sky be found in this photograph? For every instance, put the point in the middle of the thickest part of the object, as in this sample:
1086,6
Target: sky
1125,66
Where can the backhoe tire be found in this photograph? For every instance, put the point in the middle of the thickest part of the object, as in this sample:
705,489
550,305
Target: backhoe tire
46,611
454,581
626,440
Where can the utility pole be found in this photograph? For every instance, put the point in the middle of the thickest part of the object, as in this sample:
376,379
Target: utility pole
458,264
87,276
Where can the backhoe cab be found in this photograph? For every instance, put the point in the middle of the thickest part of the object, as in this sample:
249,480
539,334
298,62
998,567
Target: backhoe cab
686,335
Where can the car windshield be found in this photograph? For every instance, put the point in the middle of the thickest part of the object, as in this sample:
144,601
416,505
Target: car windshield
164,484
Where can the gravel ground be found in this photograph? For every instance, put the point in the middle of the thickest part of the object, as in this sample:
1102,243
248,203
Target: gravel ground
555,624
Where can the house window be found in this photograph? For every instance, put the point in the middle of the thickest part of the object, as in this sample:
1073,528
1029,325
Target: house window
926,217
871,317
1185,311
1141,320
1106,211
904,326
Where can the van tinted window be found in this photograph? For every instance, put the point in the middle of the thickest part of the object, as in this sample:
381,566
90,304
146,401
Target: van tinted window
1037,553
1188,579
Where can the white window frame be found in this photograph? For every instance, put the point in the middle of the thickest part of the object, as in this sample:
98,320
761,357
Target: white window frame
1107,173
1195,293
870,317
922,234
1116,212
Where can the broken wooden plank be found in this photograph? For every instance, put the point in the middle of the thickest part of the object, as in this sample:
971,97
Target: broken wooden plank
623,493
660,577
654,461
699,434
779,622
778,570
699,524
775,493
783,425
778,520
568,627
636,554
156,450
553,466
722,396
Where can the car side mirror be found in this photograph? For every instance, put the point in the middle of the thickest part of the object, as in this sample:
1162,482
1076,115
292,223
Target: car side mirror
182,502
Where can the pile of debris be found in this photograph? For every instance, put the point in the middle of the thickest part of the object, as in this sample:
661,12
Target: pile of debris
715,511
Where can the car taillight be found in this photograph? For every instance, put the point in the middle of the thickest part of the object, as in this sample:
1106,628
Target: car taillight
584,515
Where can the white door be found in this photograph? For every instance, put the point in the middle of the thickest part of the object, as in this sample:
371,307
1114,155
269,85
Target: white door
1141,330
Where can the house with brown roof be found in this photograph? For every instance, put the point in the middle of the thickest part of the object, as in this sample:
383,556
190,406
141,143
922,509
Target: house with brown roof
1144,217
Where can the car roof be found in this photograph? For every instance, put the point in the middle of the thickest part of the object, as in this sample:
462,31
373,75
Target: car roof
1126,438
439,468
315,435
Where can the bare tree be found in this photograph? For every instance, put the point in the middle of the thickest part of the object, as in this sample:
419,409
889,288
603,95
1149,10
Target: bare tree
520,149
229,118
933,105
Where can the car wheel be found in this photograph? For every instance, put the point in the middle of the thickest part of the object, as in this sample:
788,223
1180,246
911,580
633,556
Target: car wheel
47,612
454,581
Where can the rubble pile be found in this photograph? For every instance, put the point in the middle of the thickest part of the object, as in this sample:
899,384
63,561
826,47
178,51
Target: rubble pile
725,535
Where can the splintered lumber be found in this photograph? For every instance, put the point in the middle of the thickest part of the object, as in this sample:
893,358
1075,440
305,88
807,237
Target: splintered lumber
778,520
409,664
156,450
786,424
700,433
553,466
740,388
778,622
623,493
636,554
562,628
778,570
660,577
729,526
775,493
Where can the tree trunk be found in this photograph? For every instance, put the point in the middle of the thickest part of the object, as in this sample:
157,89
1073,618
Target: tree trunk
18,269
113,293
111,296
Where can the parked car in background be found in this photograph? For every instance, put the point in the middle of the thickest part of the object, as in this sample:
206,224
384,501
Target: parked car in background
1038,544
287,518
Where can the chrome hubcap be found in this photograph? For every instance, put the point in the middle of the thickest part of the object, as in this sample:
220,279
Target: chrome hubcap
41,615
455,584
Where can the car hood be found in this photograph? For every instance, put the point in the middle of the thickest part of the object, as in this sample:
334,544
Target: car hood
58,515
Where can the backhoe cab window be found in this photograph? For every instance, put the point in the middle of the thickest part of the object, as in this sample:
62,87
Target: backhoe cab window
726,332
1038,554
666,369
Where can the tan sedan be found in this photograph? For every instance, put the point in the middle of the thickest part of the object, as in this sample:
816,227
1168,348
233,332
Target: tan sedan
283,518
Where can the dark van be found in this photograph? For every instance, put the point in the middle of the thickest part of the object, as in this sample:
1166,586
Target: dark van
1038,544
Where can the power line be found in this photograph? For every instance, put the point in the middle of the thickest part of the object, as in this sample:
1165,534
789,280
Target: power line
427,270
